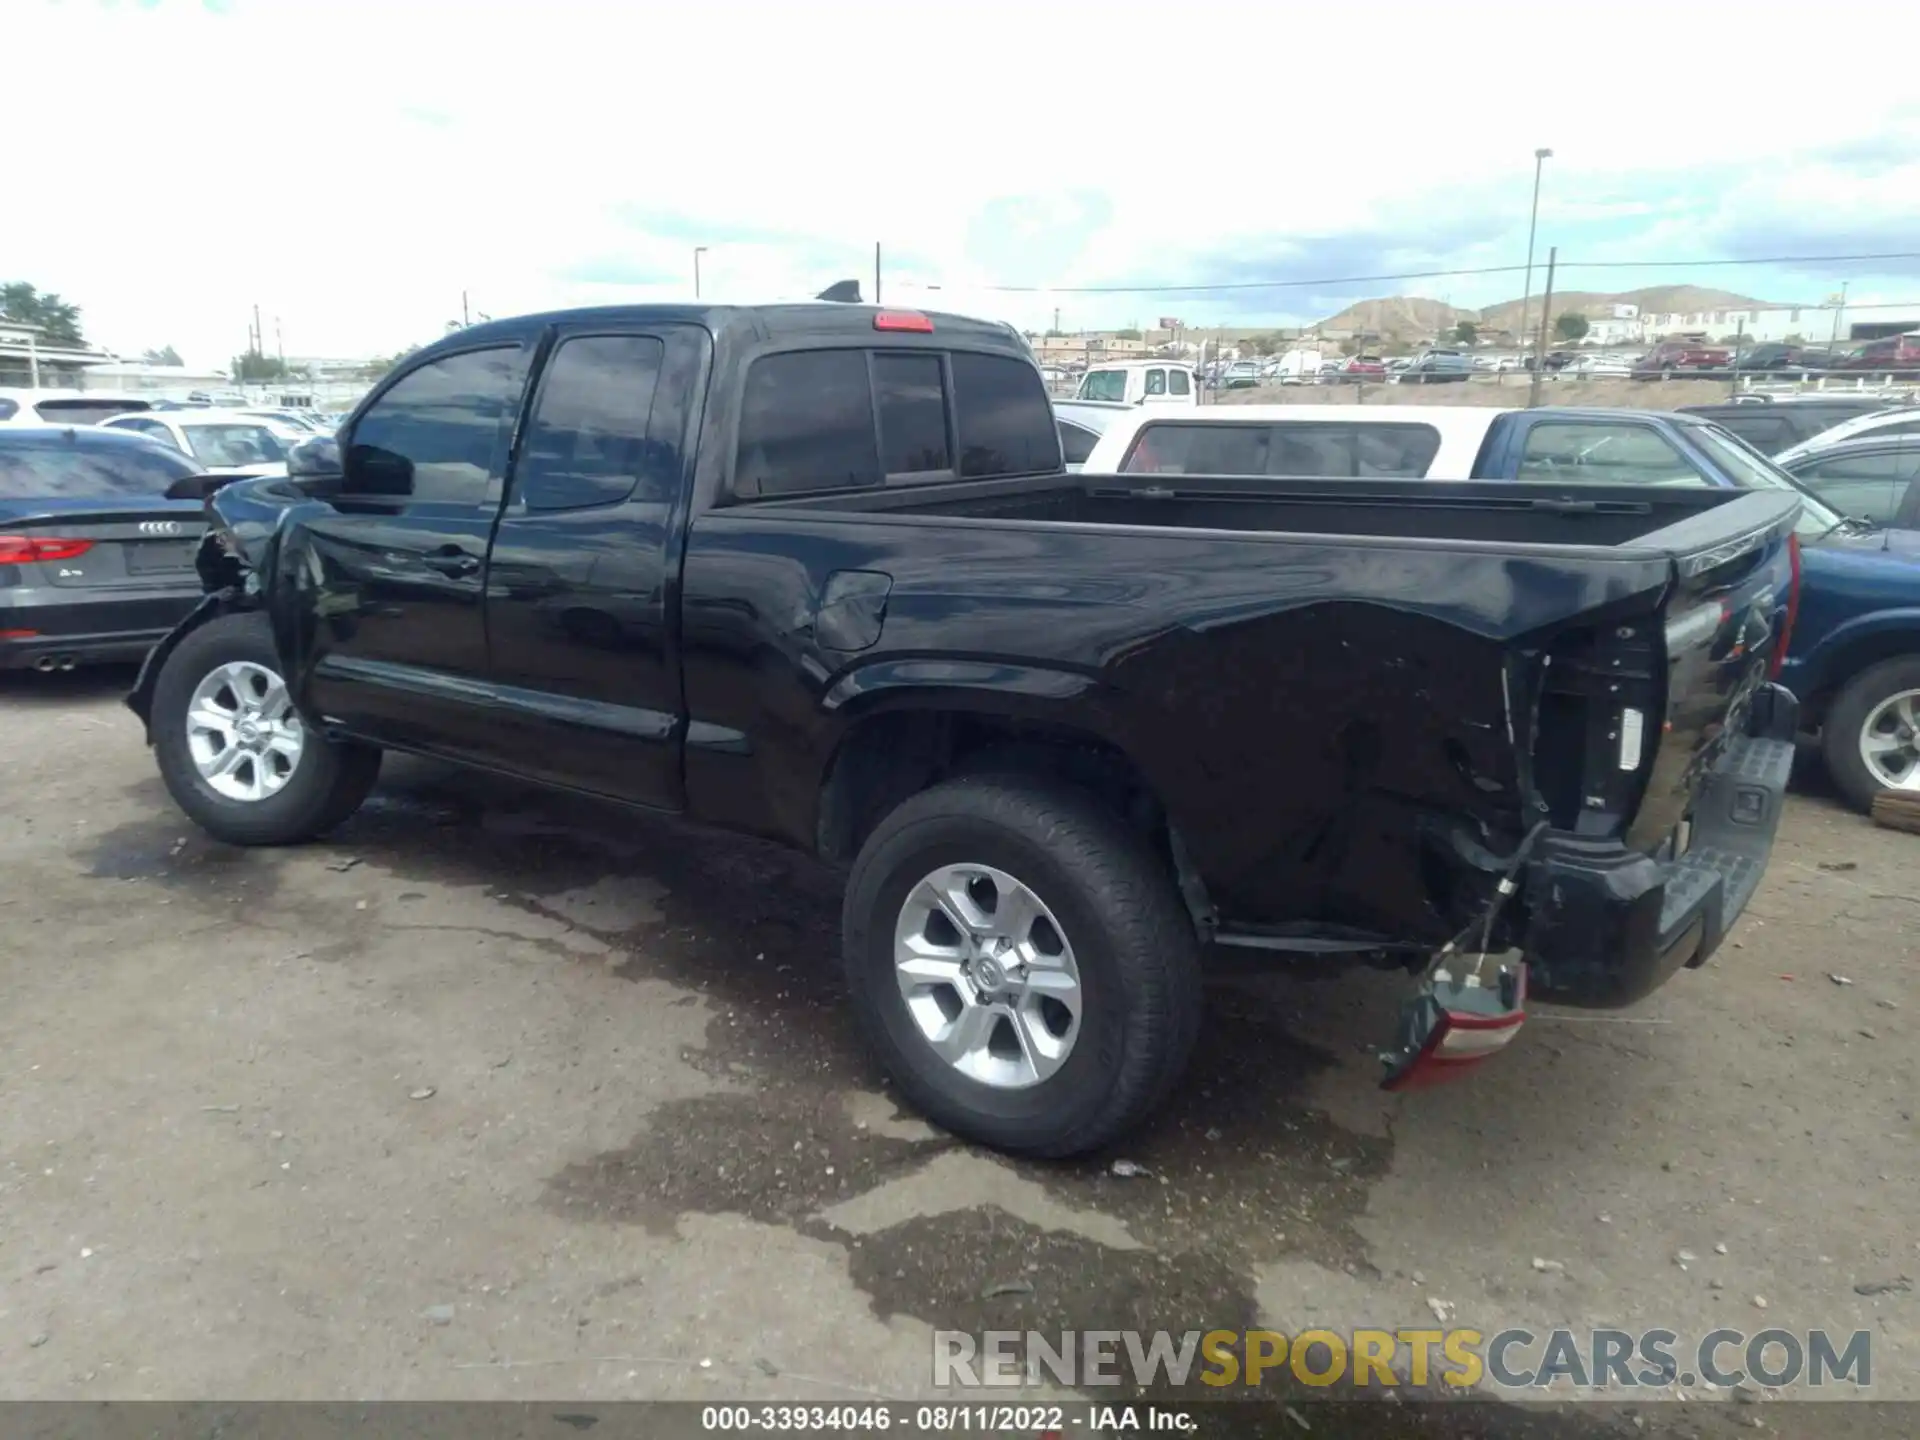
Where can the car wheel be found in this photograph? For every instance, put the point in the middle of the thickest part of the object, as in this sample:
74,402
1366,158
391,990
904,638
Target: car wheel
1871,735
1022,964
235,755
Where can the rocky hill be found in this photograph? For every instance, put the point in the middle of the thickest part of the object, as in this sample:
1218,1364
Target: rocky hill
1596,305
1413,317
1398,315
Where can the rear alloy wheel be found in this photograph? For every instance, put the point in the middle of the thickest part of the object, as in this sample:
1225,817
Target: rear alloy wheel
1871,735
1022,963
233,751
987,976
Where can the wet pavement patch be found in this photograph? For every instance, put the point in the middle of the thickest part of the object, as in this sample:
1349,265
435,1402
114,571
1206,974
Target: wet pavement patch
779,1158
172,850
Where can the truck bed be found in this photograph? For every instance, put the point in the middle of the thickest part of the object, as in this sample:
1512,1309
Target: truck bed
1650,519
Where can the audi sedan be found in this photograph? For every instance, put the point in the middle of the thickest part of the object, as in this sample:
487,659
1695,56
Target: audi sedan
96,563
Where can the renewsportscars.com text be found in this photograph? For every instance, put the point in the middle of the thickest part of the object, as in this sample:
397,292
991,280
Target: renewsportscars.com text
1513,1359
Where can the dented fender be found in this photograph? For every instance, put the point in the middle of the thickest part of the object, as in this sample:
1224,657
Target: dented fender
211,607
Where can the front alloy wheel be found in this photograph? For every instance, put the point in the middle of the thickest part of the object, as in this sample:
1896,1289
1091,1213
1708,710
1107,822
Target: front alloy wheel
1890,741
242,731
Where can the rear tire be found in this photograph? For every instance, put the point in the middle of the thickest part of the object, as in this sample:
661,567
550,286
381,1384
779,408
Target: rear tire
304,785
1103,901
1844,731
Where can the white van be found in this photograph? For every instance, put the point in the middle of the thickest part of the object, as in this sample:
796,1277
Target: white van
1140,382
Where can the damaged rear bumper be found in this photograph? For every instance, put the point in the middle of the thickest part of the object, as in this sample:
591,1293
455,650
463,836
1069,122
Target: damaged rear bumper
1608,924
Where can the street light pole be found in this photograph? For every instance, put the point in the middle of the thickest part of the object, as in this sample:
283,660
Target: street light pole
1540,157
698,251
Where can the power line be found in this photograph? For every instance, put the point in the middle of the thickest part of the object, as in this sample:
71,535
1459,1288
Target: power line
1331,281
1749,260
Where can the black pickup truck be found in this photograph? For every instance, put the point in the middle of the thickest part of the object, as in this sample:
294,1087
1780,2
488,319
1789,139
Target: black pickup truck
816,572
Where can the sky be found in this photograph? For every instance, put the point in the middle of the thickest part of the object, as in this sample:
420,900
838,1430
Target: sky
353,166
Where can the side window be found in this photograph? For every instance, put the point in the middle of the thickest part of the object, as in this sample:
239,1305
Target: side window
153,429
912,397
806,423
1869,486
1766,433
1156,382
8,408
1394,452
588,442
1179,383
1076,444
1104,385
1006,423
1198,450
1601,453
440,433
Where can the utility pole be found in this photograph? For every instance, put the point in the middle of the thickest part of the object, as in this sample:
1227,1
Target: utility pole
1540,158
1833,339
464,321
259,335
1540,344
698,251
279,343
876,272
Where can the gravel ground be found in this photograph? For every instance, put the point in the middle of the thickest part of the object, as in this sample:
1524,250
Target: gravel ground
494,1095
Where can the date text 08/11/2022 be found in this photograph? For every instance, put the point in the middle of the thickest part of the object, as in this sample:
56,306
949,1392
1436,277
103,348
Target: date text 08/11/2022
1045,1422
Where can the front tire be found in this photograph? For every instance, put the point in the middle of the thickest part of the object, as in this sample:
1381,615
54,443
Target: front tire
1871,734
1022,964
233,752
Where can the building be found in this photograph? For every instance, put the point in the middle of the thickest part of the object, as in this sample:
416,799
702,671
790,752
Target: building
322,368
1813,324
136,377
29,362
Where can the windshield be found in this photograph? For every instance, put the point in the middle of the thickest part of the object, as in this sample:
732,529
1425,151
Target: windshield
234,444
1104,385
1753,471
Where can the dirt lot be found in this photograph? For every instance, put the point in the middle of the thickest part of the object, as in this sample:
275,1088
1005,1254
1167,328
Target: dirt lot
499,1096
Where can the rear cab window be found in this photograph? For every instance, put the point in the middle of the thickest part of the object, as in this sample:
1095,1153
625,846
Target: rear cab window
1604,453
56,469
1179,383
1332,450
856,418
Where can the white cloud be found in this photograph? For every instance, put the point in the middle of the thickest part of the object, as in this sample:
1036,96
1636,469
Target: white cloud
351,166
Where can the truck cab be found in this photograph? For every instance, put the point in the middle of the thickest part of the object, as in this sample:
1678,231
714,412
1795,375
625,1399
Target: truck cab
1150,383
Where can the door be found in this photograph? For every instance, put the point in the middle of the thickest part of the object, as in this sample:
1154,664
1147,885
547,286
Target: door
393,645
1155,387
578,599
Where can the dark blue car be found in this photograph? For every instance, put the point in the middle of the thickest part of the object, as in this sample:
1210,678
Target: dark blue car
1855,657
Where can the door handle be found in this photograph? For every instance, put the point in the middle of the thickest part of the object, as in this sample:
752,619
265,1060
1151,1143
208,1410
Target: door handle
450,560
